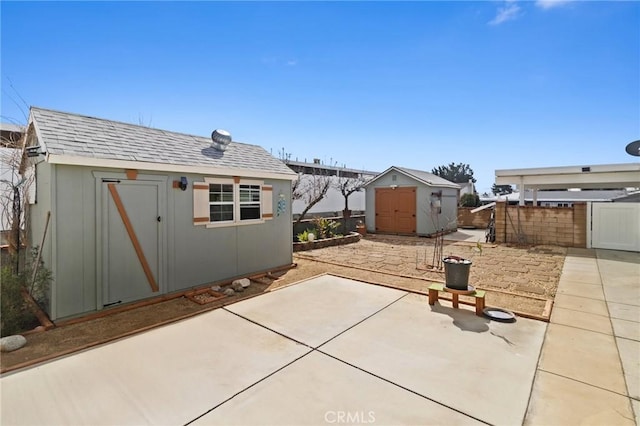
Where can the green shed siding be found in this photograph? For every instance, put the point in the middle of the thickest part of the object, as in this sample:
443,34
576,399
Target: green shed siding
38,216
192,255
426,224
74,240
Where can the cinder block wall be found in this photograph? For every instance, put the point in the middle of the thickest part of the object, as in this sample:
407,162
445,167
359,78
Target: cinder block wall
560,226
478,220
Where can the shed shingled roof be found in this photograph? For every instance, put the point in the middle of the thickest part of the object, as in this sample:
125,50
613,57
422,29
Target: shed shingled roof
77,135
419,175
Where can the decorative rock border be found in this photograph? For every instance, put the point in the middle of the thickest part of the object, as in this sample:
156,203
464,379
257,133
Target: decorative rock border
353,237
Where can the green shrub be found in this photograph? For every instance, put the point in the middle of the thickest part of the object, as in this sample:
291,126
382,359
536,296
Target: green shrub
303,237
15,314
326,227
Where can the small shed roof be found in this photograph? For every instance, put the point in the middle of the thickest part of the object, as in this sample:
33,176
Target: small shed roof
82,140
421,176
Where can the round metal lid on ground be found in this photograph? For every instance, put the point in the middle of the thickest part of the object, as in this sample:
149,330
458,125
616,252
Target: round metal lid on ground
498,314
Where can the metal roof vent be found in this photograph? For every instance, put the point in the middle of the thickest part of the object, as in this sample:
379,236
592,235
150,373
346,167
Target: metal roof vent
221,139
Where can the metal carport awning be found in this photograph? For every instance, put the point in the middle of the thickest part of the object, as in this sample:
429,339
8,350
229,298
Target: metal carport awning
584,177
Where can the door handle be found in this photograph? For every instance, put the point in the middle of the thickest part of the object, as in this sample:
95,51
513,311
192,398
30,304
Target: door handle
159,219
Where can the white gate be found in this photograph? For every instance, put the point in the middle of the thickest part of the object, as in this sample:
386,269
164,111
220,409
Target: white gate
615,226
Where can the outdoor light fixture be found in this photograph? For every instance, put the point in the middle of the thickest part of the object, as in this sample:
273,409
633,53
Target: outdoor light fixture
33,151
436,202
183,183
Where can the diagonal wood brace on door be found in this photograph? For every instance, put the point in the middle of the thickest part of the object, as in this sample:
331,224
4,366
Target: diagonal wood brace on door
133,237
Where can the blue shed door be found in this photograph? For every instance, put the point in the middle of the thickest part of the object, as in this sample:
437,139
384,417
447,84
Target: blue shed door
132,226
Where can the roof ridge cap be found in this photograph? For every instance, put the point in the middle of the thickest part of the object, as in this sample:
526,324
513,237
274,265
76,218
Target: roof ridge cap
129,124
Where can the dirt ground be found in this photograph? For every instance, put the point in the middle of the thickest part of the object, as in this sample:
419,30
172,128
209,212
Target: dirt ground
521,279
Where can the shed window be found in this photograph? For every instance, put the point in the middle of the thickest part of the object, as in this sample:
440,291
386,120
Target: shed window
249,202
220,202
228,202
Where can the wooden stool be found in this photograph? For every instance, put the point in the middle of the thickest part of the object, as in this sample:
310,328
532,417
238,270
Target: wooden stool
477,294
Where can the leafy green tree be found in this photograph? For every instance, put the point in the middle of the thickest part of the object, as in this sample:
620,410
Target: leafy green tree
456,173
470,200
501,189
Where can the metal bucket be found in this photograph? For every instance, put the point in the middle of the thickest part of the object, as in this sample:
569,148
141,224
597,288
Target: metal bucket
456,272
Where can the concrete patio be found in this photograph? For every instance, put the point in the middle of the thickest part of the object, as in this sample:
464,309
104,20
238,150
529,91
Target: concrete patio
305,354
333,350
589,369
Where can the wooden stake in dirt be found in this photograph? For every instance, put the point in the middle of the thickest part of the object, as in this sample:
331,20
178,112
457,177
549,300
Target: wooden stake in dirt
39,256
436,261
42,316
437,250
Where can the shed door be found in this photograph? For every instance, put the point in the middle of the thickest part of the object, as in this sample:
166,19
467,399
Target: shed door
615,226
396,210
132,227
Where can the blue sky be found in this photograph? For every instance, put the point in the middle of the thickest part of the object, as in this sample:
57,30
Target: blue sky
494,84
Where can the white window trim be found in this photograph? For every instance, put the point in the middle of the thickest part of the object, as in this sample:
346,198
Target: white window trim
219,181
239,204
236,202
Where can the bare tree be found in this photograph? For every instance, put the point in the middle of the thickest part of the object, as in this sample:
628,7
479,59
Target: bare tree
310,188
347,185
14,191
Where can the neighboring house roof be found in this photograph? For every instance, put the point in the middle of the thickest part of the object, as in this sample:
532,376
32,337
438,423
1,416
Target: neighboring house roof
467,188
563,196
10,127
10,134
82,140
327,167
419,175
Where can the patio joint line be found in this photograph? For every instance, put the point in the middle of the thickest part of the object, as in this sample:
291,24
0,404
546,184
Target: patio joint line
535,374
327,341
403,388
249,387
618,303
615,338
269,329
585,329
625,338
364,319
588,329
583,297
627,320
312,349
588,384
576,310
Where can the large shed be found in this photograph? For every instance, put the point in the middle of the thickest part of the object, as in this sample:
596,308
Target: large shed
410,202
138,212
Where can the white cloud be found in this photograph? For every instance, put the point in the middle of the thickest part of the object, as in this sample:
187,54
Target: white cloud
292,63
549,4
508,12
